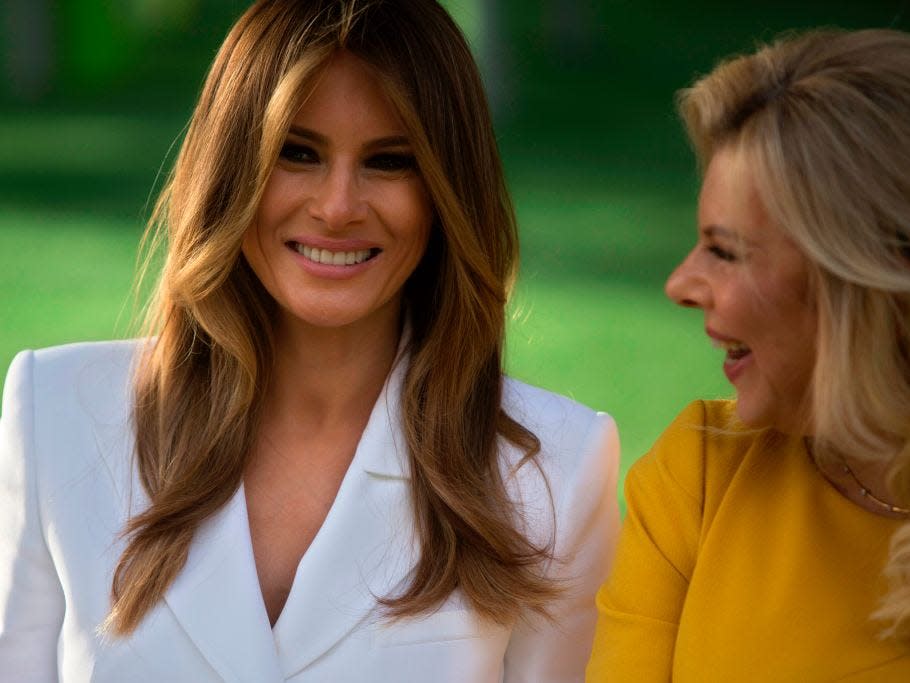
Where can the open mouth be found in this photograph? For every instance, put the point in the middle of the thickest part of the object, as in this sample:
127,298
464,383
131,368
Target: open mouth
735,350
334,258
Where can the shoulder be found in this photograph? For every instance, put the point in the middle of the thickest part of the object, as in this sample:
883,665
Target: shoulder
86,366
62,394
698,453
67,416
563,426
576,470
68,359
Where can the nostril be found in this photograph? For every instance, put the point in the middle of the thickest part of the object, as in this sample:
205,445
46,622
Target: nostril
688,303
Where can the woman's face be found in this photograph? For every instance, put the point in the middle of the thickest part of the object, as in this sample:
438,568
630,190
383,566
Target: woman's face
752,283
345,216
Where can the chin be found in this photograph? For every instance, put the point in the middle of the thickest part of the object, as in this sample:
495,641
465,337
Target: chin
787,420
751,415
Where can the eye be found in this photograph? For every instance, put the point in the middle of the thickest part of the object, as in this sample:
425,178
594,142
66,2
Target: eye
722,253
299,154
392,162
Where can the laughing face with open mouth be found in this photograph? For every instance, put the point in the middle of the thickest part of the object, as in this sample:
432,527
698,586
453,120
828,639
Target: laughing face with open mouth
752,282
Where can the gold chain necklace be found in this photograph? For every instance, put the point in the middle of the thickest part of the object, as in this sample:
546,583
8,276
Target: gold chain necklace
868,495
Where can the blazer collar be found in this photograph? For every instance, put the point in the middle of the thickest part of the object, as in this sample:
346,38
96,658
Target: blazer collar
365,549
217,600
382,450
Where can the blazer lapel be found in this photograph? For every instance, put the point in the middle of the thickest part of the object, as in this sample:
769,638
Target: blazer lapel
365,547
217,600
216,597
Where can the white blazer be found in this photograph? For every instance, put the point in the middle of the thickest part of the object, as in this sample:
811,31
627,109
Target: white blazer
68,484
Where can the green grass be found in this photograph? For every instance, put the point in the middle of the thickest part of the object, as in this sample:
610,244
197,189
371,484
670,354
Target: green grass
617,348
64,278
588,318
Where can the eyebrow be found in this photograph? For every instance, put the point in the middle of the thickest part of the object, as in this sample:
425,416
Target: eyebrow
712,231
378,143
720,231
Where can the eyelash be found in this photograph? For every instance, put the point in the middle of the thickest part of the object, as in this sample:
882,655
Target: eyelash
298,154
722,254
389,162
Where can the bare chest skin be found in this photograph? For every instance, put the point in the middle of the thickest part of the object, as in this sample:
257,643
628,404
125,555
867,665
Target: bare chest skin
324,384
290,486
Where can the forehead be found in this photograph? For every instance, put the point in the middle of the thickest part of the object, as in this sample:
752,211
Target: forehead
731,203
729,196
730,200
348,98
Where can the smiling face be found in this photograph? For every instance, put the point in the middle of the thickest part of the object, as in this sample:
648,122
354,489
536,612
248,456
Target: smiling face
752,283
345,216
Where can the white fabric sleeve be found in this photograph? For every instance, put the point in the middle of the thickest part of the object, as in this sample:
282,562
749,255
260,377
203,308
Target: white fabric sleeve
587,527
31,598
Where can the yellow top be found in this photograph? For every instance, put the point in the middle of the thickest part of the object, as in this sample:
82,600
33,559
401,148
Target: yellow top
739,562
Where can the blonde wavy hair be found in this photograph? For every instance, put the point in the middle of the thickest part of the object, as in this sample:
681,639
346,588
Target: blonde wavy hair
198,388
824,118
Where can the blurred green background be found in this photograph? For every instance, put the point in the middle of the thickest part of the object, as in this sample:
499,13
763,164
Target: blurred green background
95,94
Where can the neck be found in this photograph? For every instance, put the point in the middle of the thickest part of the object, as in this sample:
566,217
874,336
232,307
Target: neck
323,374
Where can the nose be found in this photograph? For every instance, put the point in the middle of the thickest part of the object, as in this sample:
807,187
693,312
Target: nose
686,286
336,198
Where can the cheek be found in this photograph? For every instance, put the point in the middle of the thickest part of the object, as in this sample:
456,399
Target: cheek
275,208
422,229
790,339
736,300
796,316
410,214
804,333
251,246
257,256
272,205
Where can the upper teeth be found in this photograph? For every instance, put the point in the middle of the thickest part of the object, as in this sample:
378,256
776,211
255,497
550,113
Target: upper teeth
730,345
334,258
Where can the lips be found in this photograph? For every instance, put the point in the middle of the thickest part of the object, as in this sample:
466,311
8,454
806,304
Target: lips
735,349
339,256
738,354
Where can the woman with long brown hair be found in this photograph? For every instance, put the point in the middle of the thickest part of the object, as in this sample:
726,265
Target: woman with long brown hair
768,538
312,467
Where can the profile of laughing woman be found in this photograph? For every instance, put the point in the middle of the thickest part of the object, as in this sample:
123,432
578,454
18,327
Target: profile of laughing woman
312,468
768,539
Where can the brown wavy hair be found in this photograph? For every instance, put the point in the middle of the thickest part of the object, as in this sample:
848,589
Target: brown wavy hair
197,388
824,118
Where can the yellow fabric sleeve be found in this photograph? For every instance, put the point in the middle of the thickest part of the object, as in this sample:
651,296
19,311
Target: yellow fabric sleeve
639,606
738,561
